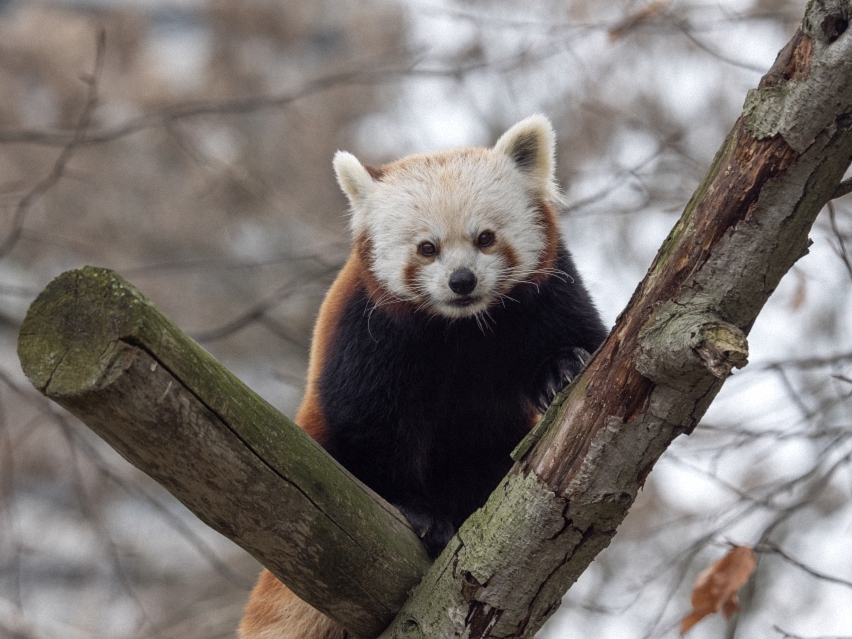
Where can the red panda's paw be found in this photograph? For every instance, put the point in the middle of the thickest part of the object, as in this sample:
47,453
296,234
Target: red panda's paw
556,373
435,532
274,612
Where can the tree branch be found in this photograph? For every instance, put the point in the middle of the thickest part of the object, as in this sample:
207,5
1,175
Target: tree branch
92,343
75,141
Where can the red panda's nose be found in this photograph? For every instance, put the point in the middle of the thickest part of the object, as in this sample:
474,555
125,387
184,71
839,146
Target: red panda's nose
462,281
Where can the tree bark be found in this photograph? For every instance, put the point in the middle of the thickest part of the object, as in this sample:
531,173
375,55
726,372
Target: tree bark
98,347
682,333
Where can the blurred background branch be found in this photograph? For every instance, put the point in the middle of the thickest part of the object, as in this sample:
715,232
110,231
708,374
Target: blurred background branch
202,171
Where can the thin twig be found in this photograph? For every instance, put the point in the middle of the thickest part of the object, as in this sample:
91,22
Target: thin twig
44,185
771,548
685,29
844,188
57,415
789,635
841,249
366,73
261,308
807,362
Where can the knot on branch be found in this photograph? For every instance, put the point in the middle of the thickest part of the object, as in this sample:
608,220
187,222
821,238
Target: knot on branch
722,347
410,629
678,347
827,20
833,26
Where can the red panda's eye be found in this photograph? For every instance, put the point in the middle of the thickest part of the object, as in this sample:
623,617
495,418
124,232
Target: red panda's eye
427,248
485,239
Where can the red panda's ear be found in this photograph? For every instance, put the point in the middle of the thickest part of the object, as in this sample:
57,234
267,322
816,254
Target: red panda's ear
353,178
531,145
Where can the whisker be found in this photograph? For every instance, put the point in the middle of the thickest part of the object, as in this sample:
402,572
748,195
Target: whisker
385,298
486,316
479,323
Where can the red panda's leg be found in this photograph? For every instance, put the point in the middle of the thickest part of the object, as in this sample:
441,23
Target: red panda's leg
274,612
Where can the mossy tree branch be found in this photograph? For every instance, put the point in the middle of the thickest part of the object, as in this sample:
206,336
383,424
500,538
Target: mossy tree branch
98,347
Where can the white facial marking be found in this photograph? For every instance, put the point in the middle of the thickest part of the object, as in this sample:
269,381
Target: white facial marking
449,202
449,199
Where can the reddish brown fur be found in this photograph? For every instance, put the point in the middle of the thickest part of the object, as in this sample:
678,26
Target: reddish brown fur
547,220
410,273
364,250
510,258
355,274
274,612
375,173
309,415
429,161
375,291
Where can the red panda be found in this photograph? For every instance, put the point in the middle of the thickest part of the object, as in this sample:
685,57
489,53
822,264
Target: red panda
456,319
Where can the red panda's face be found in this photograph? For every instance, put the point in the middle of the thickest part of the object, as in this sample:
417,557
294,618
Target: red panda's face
452,233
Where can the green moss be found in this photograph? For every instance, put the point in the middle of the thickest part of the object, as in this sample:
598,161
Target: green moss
78,335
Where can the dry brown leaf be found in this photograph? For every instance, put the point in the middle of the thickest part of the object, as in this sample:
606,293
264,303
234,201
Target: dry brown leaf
716,587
